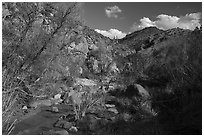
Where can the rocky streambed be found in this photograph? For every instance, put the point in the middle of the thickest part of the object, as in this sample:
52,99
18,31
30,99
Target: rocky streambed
90,108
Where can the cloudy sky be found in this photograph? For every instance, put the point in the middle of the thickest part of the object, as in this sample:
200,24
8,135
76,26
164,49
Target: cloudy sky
117,19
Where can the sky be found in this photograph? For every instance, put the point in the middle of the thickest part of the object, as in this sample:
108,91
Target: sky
120,18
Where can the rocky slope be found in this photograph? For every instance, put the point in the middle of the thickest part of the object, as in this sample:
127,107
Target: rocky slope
95,85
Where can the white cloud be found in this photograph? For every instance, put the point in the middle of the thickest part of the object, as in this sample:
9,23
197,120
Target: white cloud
189,21
112,11
111,33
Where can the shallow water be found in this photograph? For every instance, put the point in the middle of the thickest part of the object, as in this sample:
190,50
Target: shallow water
41,121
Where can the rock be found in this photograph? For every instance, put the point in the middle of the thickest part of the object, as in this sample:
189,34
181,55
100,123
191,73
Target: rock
114,110
57,96
61,132
110,105
143,92
55,109
73,129
85,82
25,108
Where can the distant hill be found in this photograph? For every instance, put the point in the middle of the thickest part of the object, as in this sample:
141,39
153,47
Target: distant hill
146,52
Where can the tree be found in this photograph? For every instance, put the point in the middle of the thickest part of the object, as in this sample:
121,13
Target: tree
32,35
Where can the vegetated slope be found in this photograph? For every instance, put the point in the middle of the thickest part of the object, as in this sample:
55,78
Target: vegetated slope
169,64
112,86
45,48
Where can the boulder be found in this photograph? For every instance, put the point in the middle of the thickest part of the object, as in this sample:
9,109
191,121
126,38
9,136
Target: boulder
142,91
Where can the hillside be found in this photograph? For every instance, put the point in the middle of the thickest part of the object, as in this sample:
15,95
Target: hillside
61,77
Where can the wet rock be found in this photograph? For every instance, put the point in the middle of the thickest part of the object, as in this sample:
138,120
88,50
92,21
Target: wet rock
55,109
